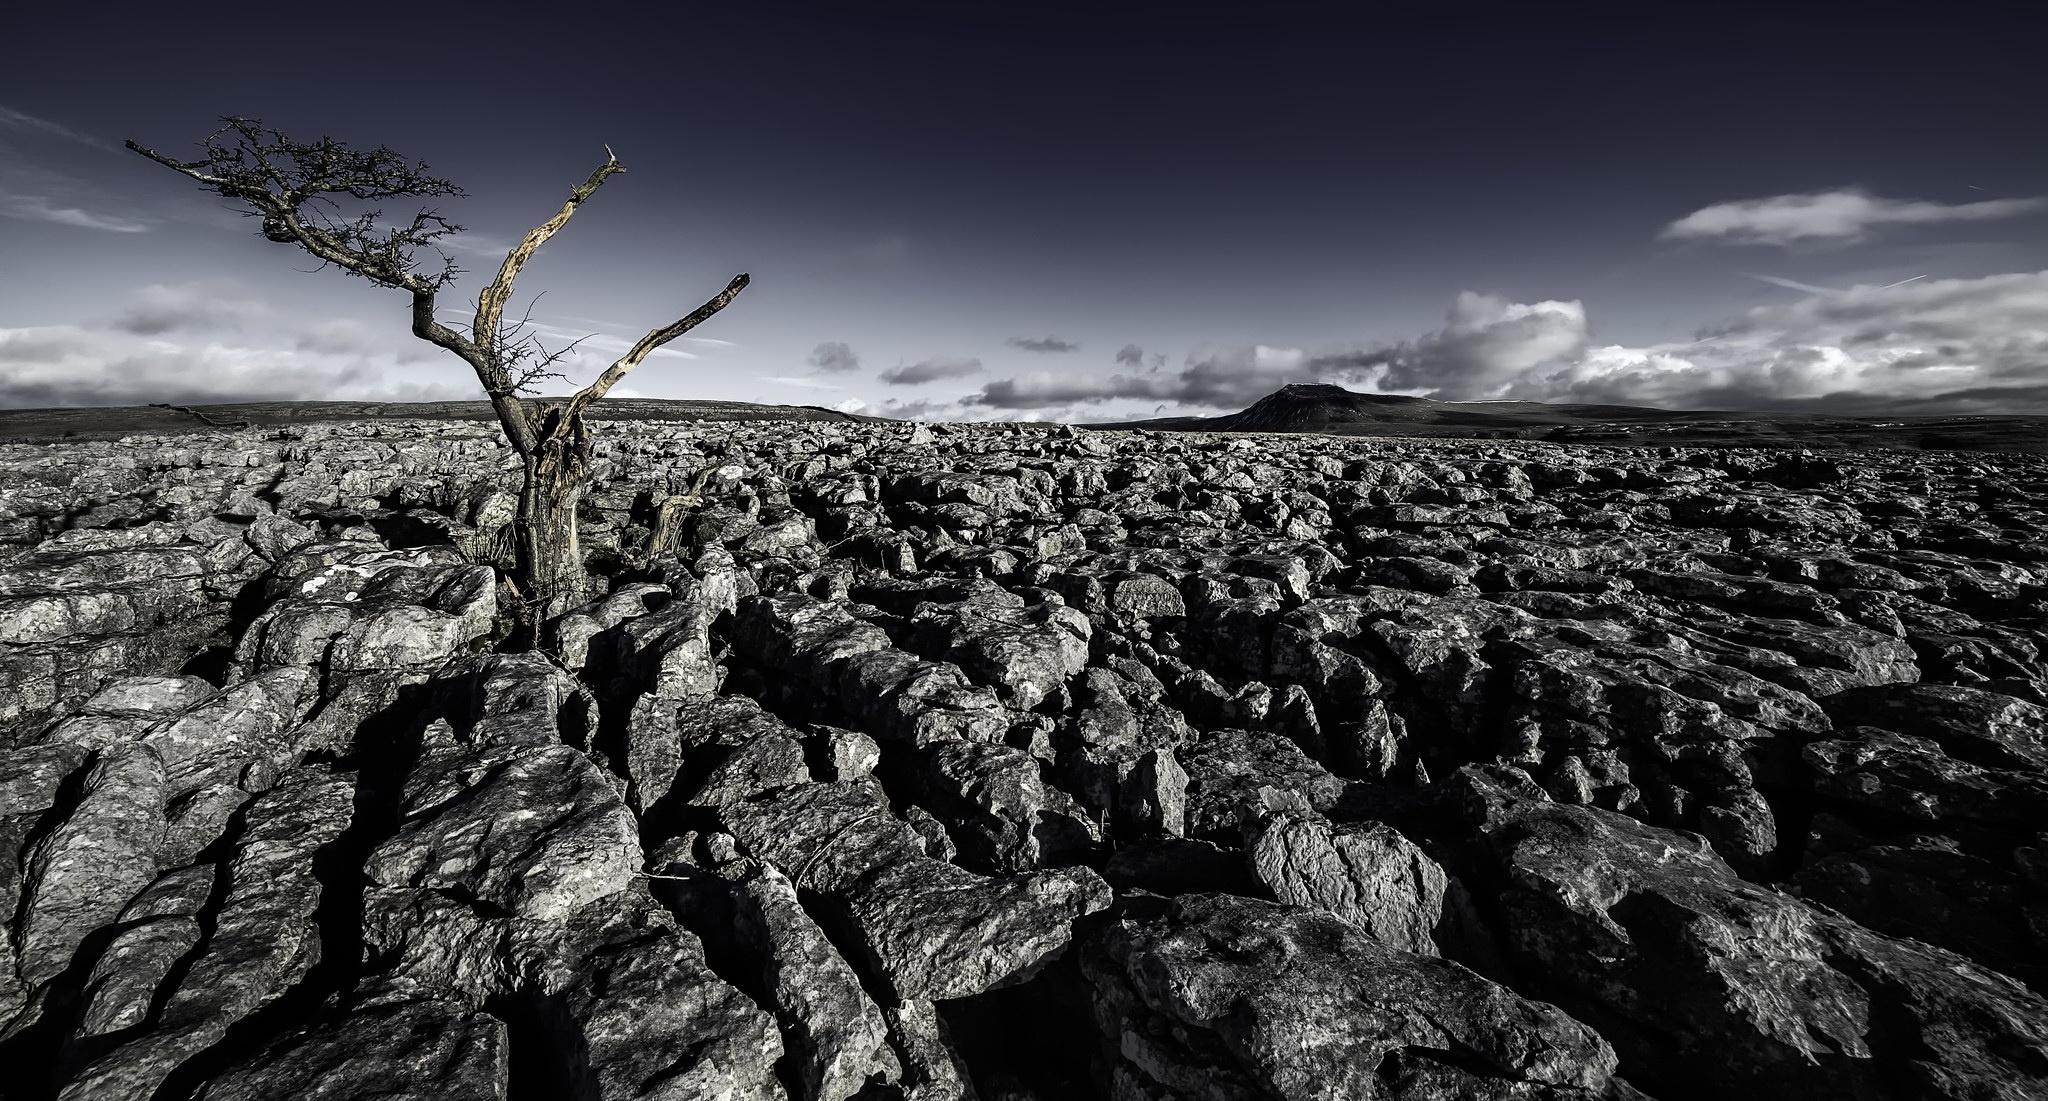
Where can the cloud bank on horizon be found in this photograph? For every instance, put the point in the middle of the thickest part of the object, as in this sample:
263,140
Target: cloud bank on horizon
1937,345
1958,345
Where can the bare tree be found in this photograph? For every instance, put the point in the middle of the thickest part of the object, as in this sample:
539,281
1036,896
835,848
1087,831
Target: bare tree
292,186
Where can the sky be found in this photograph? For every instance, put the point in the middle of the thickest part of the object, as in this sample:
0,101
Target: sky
1064,212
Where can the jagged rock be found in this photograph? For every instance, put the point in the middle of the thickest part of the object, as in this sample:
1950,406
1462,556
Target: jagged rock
1007,819
197,819
532,830
1227,768
263,939
1929,889
1983,728
1369,875
804,636
430,1048
670,649
929,929
348,608
1025,653
1227,997
896,696
160,926
841,1037
1915,780
767,762
636,1011
31,776
933,1069
1708,979
571,635
81,876
936,931
240,735
125,708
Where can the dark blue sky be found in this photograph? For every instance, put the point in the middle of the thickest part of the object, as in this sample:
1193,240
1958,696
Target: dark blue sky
1042,210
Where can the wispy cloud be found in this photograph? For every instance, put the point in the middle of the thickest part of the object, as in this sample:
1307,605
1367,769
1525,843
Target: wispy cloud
210,304
1130,355
599,345
37,208
798,380
1792,284
931,370
1845,215
1809,288
477,244
23,122
834,357
1044,345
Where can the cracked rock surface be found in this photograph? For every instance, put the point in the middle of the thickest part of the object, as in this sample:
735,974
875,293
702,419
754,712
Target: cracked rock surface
934,762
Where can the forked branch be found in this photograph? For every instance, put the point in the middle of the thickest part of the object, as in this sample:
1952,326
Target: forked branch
490,305
647,345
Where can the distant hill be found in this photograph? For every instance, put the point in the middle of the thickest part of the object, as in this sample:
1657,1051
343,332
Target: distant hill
1333,410
109,421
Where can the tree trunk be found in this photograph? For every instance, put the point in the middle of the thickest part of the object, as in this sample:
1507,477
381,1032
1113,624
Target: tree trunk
549,557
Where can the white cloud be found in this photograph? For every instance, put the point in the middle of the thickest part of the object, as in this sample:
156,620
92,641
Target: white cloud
67,365
36,208
1954,345
1929,345
1486,343
204,304
800,381
1844,215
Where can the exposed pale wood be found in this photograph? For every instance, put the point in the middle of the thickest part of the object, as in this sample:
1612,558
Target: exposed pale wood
490,308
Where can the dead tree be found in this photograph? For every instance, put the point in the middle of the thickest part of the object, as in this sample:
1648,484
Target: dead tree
292,187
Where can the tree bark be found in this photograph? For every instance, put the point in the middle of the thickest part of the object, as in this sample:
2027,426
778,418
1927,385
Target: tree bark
549,555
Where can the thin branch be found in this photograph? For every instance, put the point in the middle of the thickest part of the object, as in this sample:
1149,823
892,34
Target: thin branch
648,344
525,359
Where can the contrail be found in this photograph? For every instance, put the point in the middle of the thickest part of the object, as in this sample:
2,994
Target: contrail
1903,282
1792,284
